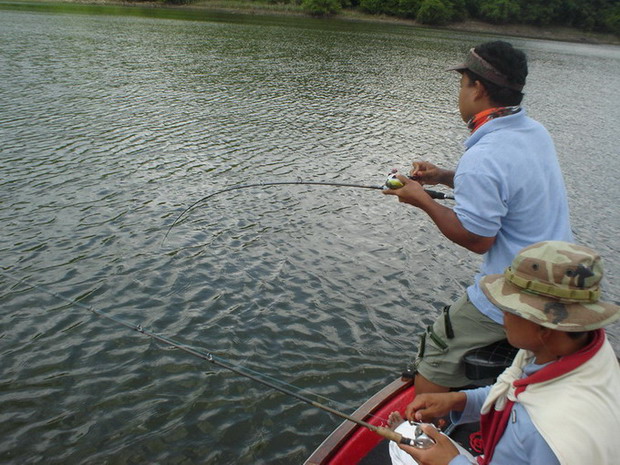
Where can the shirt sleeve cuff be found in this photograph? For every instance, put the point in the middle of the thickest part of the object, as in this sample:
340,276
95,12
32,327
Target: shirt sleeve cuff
471,412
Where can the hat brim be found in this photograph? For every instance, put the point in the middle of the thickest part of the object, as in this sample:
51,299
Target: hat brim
548,311
478,65
461,67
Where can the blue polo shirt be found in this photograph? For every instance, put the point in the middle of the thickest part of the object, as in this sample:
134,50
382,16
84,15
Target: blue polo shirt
508,185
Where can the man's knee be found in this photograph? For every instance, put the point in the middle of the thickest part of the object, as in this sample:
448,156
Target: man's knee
424,385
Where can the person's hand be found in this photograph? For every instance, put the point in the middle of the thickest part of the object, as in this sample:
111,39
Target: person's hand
411,192
427,407
426,173
439,454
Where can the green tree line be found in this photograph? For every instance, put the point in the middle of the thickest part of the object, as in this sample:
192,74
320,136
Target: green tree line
588,15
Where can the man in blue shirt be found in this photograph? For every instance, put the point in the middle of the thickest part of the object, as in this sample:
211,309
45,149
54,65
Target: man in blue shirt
509,193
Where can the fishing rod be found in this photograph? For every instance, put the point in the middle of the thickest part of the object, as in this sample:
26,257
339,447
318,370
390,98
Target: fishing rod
420,440
391,183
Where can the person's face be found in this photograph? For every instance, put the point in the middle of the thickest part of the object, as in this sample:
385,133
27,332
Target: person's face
522,333
467,95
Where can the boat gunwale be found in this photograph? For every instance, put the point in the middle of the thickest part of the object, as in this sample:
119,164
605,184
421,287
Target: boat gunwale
332,444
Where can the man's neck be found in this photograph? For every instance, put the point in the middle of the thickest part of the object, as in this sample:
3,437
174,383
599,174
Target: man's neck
487,115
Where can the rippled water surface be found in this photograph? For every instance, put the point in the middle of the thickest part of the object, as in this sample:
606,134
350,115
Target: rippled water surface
111,124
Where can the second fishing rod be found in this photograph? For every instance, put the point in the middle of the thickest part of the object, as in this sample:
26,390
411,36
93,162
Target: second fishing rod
420,440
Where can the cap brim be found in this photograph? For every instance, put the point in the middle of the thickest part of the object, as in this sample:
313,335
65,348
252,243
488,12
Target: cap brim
460,67
548,311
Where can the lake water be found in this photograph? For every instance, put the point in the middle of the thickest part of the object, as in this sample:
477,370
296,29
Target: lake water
113,121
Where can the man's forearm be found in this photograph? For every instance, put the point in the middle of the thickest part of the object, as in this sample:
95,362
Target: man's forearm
447,178
451,227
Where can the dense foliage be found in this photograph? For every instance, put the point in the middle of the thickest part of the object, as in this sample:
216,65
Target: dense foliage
321,7
588,15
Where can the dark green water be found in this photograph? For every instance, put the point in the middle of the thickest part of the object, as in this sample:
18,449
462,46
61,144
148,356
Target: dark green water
113,120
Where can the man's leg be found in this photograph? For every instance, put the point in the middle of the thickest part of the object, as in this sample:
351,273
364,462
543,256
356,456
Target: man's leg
423,385
460,328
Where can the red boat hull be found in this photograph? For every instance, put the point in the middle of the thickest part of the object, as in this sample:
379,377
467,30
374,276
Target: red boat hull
350,443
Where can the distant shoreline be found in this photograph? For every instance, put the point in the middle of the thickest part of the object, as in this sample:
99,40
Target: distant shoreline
557,33
564,34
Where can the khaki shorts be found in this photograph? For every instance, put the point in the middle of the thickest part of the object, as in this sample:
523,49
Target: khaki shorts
460,328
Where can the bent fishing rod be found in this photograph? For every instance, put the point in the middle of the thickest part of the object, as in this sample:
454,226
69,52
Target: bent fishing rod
420,440
391,183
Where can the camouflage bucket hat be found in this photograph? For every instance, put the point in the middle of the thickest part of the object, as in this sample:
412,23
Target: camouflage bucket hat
554,284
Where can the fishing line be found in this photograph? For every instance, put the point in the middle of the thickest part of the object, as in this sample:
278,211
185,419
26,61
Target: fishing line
432,193
209,357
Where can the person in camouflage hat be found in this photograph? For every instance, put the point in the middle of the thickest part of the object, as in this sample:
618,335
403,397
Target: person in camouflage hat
554,284
559,401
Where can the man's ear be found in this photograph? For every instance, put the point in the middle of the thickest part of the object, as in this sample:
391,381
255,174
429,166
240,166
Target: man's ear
544,333
480,91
